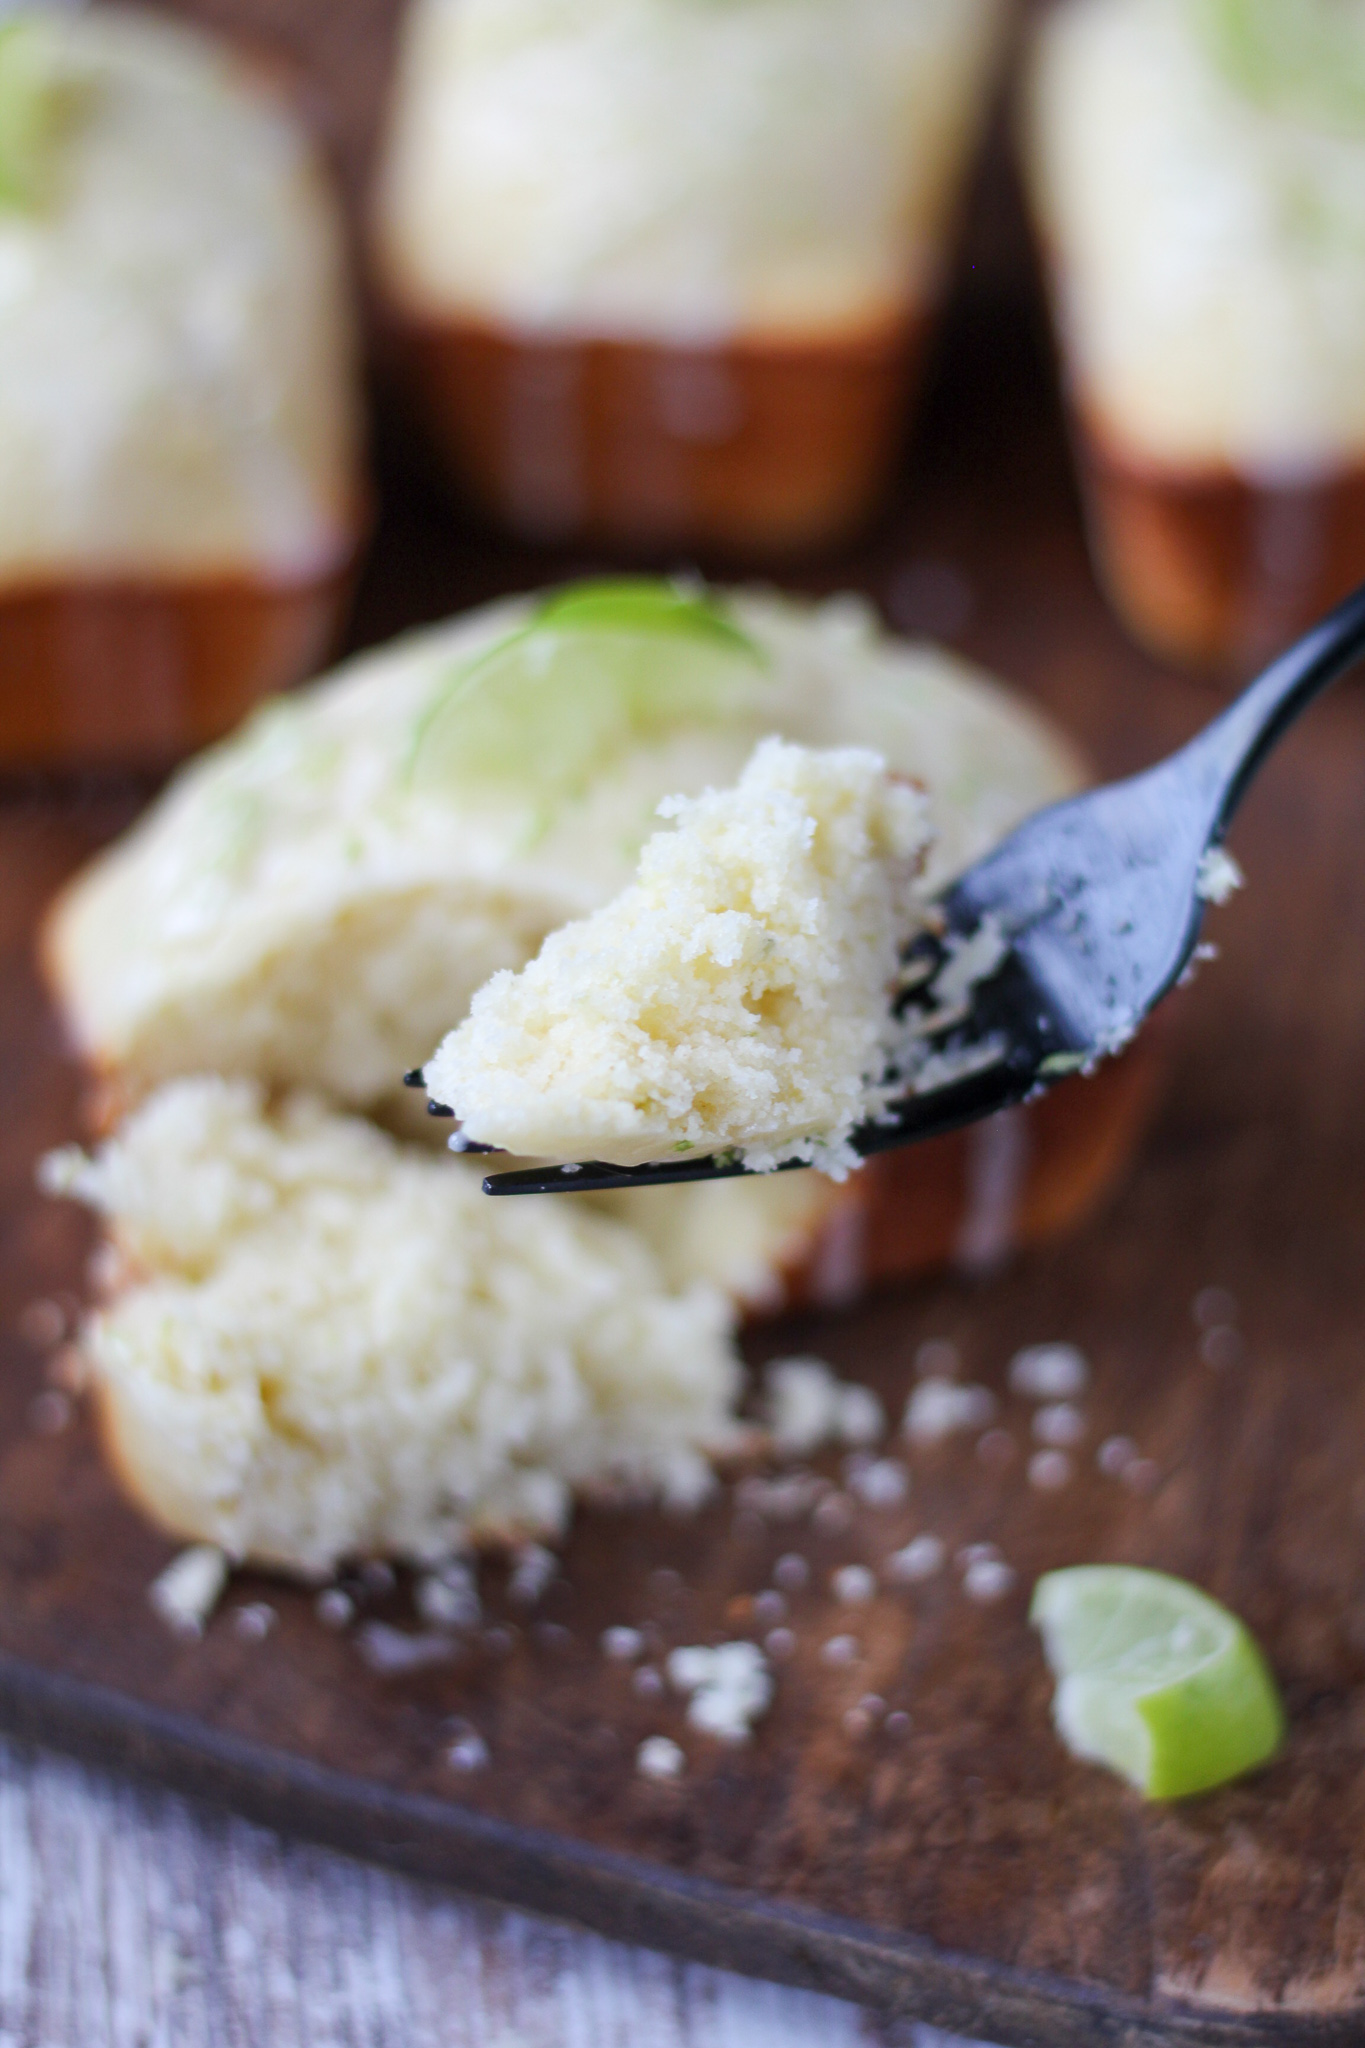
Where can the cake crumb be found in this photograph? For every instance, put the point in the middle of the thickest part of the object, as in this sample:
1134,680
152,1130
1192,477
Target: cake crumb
841,1650
1049,1471
660,1758
622,1645
254,1622
1049,1372
730,1687
987,1580
394,1651
334,1609
189,1589
1060,1424
853,1585
792,1571
941,1408
469,1751
1115,1455
883,1483
921,1558
806,1405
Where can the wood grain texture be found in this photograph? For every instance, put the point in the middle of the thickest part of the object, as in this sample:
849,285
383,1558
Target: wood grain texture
129,1917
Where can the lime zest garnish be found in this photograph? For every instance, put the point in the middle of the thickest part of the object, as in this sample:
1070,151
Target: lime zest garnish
596,667
1155,1679
1303,58
29,101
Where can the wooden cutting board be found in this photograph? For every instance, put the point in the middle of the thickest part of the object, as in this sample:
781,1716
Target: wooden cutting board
964,1870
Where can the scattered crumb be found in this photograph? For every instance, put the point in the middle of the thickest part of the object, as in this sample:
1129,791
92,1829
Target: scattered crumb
989,1579
792,1571
784,1499
730,1687
920,1559
378,1576
940,1408
533,1571
975,1553
1059,1423
882,1483
1049,1471
660,1758
552,1635
1049,1372
898,1723
938,1360
1221,1346
647,1682
995,1447
334,1609
841,1650
1213,1305
49,1412
469,1751
254,1622
393,1651
769,1608
189,1589
806,1405
854,1585
1115,1455
42,1324
780,1644
1219,877
449,1598
857,1723
833,1513
622,1645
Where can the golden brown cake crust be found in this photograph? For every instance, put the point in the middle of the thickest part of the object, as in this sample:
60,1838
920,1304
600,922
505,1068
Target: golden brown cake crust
764,448
973,1197
112,673
1214,570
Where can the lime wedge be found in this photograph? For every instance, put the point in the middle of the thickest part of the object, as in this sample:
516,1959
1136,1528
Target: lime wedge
597,666
1155,1679
1297,57
28,109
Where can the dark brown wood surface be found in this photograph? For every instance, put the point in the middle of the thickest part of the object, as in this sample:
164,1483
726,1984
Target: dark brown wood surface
966,1871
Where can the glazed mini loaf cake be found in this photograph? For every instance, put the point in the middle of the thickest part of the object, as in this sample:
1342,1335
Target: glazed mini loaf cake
1198,173
736,997
317,901
662,271
180,496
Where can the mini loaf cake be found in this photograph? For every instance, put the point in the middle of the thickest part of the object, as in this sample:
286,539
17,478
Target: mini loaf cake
661,271
321,1343
180,496
1198,172
316,902
735,998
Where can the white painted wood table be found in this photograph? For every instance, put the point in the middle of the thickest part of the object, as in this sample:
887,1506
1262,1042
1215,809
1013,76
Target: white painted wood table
130,1918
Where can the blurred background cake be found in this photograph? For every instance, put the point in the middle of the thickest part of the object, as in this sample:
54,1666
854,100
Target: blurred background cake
1198,173
180,489
663,271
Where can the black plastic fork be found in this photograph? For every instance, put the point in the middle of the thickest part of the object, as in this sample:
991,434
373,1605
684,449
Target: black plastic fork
1094,908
